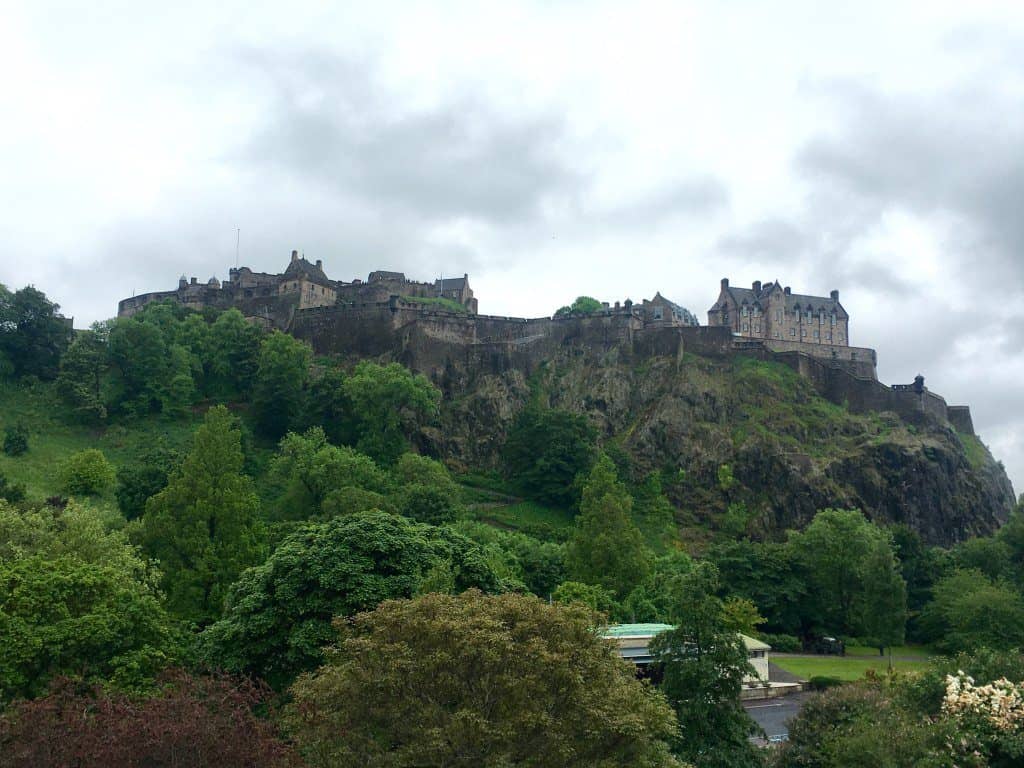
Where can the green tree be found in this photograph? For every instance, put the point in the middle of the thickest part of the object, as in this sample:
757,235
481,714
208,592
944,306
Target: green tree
143,478
15,439
766,573
863,725
477,680
76,599
546,450
234,348
86,473
836,552
309,470
703,663
921,566
203,527
426,491
80,382
138,355
584,305
594,597
278,615
971,611
882,609
280,386
606,547
389,403
33,335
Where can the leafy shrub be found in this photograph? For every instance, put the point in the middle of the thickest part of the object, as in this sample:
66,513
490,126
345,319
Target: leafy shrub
87,473
15,440
783,643
192,721
11,491
427,504
824,682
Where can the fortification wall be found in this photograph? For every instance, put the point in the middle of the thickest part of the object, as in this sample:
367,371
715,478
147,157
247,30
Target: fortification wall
453,348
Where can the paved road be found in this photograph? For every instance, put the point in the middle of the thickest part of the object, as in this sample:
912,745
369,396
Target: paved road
774,714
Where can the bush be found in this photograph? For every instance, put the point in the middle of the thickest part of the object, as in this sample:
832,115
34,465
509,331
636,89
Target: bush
87,473
190,721
824,682
783,643
10,491
15,440
427,504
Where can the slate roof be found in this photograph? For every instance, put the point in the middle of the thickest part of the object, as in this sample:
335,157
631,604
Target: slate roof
816,303
302,268
686,315
451,284
383,274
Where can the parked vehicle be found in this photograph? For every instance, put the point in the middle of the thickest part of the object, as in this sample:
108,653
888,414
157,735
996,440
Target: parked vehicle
825,645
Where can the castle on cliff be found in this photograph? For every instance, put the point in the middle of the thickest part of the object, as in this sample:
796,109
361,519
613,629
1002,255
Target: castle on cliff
435,328
305,285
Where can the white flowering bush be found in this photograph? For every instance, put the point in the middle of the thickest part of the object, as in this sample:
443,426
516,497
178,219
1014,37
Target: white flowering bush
989,719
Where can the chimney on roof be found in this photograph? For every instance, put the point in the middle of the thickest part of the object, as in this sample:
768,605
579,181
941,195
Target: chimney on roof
757,286
295,255
835,295
319,264
725,283
787,290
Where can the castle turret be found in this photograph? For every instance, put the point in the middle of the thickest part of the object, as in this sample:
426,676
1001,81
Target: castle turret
182,282
295,255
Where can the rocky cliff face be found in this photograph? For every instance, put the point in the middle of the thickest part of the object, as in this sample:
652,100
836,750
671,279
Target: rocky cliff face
738,439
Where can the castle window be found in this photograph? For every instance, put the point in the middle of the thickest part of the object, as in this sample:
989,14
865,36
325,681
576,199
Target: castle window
746,328
757,328
778,315
828,337
803,332
776,335
792,331
833,317
817,334
743,311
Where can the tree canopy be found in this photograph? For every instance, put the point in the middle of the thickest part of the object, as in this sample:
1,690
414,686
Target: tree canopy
278,615
477,680
75,599
545,451
203,527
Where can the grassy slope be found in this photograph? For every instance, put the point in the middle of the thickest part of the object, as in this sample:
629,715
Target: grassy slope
52,439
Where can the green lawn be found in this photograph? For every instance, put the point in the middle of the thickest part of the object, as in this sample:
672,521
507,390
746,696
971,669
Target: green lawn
842,667
917,651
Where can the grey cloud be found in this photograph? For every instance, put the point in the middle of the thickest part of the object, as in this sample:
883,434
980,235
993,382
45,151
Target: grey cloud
958,155
702,196
331,122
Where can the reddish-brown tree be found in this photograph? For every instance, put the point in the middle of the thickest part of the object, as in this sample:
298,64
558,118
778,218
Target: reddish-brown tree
192,721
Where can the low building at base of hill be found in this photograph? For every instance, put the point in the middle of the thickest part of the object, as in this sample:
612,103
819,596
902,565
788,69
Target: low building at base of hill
633,641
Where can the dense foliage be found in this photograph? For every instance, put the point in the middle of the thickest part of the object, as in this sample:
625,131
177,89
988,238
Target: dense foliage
75,599
186,488
477,680
189,722
278,615
203,528
546,450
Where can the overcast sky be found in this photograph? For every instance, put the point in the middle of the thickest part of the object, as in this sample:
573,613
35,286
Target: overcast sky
549,150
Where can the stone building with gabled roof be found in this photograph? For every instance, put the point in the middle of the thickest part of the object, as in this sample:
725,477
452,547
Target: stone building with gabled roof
309,281
661,311
774,313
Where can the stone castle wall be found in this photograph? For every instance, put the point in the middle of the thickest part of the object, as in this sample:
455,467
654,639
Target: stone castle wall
445,345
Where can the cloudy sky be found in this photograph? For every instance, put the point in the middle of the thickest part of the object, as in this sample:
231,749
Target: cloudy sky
549,150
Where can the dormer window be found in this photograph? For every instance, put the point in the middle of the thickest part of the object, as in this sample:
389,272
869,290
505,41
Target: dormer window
744,310
833,318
